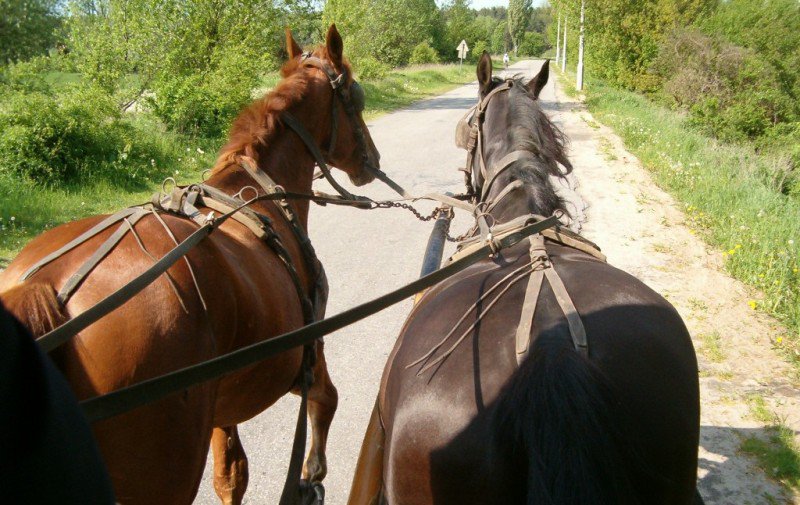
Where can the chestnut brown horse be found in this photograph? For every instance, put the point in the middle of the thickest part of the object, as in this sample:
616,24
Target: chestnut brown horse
243,293
615,424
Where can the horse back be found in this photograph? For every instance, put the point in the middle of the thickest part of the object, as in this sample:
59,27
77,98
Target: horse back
466,416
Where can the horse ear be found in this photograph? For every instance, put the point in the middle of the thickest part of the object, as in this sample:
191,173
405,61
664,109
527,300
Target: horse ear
537,83
292,47
334,45
484,73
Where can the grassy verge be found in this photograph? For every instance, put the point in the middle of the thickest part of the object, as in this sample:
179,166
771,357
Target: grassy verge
401,87
778,453
27,209
729,197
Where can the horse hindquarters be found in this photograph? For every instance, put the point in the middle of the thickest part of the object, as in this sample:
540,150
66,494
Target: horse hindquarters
562,410
581,448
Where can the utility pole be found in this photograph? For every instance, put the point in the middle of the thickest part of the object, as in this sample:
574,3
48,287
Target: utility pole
579,83
558,39
564,47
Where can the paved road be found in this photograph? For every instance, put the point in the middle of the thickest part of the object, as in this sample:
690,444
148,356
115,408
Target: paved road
365,254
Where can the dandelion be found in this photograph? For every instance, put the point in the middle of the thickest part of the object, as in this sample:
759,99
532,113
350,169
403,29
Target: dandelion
779,340
794,270
752,304
731,251
13,218
738,246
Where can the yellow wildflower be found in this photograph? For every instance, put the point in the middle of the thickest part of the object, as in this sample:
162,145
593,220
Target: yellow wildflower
738,246
731,251
779,340
752,304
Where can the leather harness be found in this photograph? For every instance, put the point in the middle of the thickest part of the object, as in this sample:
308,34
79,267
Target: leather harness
479,181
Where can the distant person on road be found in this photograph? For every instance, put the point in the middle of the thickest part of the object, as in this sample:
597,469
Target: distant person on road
505,60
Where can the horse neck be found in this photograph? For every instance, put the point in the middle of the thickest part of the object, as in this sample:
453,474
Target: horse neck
286,160
530,198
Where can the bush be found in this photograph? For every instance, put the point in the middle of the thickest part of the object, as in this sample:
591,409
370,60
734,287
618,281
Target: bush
729,91
533,44
477,50
77,135
423,53
369,68
204,103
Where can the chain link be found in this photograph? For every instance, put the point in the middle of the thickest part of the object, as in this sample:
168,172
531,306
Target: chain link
435,213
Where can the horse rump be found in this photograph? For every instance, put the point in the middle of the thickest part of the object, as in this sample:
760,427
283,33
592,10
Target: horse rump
35,305
565,425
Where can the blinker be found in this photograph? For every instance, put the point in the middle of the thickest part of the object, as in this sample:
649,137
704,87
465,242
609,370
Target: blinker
464,127
357,96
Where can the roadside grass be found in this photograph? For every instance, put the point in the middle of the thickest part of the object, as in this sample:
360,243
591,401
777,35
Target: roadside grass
36,208
712,346
729,198
779,454
404,86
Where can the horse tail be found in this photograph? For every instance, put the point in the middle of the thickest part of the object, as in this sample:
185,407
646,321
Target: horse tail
35,305
565,424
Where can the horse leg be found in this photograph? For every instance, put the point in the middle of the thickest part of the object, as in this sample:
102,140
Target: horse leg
368,477
230,465
322,401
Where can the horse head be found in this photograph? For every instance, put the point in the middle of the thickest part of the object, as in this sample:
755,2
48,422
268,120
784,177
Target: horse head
337,105
515,141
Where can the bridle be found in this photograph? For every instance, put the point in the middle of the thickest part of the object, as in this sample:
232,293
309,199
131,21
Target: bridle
469,136
353,99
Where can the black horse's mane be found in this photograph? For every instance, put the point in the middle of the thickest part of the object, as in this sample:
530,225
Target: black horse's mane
531,130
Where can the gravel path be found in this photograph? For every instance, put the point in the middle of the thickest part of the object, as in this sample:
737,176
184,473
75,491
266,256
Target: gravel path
639,227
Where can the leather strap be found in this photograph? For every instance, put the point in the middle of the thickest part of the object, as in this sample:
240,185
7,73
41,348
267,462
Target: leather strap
540,263
131,397
86,268
576,328
80,239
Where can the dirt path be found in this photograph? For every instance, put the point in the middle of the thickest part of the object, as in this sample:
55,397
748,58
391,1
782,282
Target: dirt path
644,231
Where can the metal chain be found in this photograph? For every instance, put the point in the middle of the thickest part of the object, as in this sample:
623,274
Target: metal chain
400,205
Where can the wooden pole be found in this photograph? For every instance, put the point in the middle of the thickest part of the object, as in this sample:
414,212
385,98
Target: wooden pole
579,79
558,38
564,47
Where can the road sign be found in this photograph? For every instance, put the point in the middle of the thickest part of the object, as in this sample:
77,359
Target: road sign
462,50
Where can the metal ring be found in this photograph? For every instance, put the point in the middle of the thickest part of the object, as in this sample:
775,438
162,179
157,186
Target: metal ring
278,189
204,174
241,191
164,185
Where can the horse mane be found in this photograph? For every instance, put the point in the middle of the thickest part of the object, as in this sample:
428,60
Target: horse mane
259,121
532,131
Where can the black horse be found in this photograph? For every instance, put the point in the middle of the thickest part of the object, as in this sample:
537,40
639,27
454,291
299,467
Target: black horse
600,406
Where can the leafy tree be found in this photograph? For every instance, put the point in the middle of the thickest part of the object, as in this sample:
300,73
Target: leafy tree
533,44
518,16
27,28
501,39
459,17
384,29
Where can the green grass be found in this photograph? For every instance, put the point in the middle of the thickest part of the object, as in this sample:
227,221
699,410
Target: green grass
712,346
728,195
27,209
779,454
402,87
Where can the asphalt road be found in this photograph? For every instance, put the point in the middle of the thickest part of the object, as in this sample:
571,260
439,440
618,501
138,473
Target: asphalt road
365,255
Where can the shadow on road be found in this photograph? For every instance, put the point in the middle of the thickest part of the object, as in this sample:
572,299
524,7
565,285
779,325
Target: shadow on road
724,482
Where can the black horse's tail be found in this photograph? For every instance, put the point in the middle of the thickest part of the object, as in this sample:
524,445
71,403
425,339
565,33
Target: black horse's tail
562,418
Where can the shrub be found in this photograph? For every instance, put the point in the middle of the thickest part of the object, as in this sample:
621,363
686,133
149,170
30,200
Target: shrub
204,103
477,50
423,53
73,136
533,44
369,68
